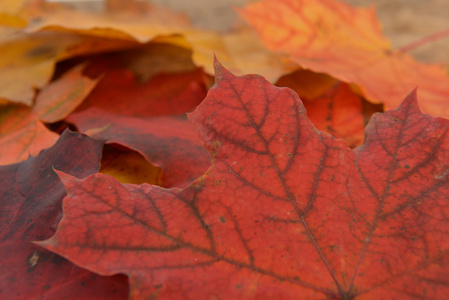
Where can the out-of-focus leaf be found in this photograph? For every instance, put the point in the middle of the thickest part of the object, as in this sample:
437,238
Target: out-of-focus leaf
28,59
59,98
240,49
21,134
122,110
166,142
341,113
307,84
10,7
128,166
30,196
120,92
331,37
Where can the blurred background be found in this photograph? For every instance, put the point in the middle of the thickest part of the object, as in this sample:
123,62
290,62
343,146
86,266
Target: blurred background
403,21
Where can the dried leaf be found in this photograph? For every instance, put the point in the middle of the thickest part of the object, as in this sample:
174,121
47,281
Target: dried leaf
22,134
30,196
28,59
58,99
128,166
122,110
286,211
341,113
331,37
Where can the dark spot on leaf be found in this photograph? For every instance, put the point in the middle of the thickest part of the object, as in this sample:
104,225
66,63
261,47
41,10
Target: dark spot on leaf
41,51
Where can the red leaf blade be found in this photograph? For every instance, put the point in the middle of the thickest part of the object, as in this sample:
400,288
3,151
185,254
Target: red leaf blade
286,211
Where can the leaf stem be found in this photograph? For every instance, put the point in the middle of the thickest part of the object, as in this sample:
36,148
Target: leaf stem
425,40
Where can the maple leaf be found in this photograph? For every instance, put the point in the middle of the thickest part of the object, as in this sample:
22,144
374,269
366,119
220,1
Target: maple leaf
30,196
285,211
128,166
136,22
166,142
334,38
120,92
152,59
307,84
341,113
144,126
331,105
117,23
59,98
28,59
22,133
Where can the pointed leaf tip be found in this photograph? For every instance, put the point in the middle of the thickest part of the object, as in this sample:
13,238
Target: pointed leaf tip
411,100
67,180
48,244
220,71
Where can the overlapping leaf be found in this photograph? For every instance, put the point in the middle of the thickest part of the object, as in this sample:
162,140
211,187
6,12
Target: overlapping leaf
341,113
166,142
121,93
21,129
31,196
22,134
331,37
58,99
134,22
128,166
285,212
28,60
122,110
307,84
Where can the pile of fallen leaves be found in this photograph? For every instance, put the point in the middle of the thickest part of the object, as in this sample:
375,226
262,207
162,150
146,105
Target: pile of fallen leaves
127,149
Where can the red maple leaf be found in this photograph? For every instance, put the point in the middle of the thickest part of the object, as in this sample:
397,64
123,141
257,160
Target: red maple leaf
30,208
341,113
167,142
130,113
285,211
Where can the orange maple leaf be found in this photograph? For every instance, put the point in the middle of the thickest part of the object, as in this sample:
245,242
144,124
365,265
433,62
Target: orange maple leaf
334,38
